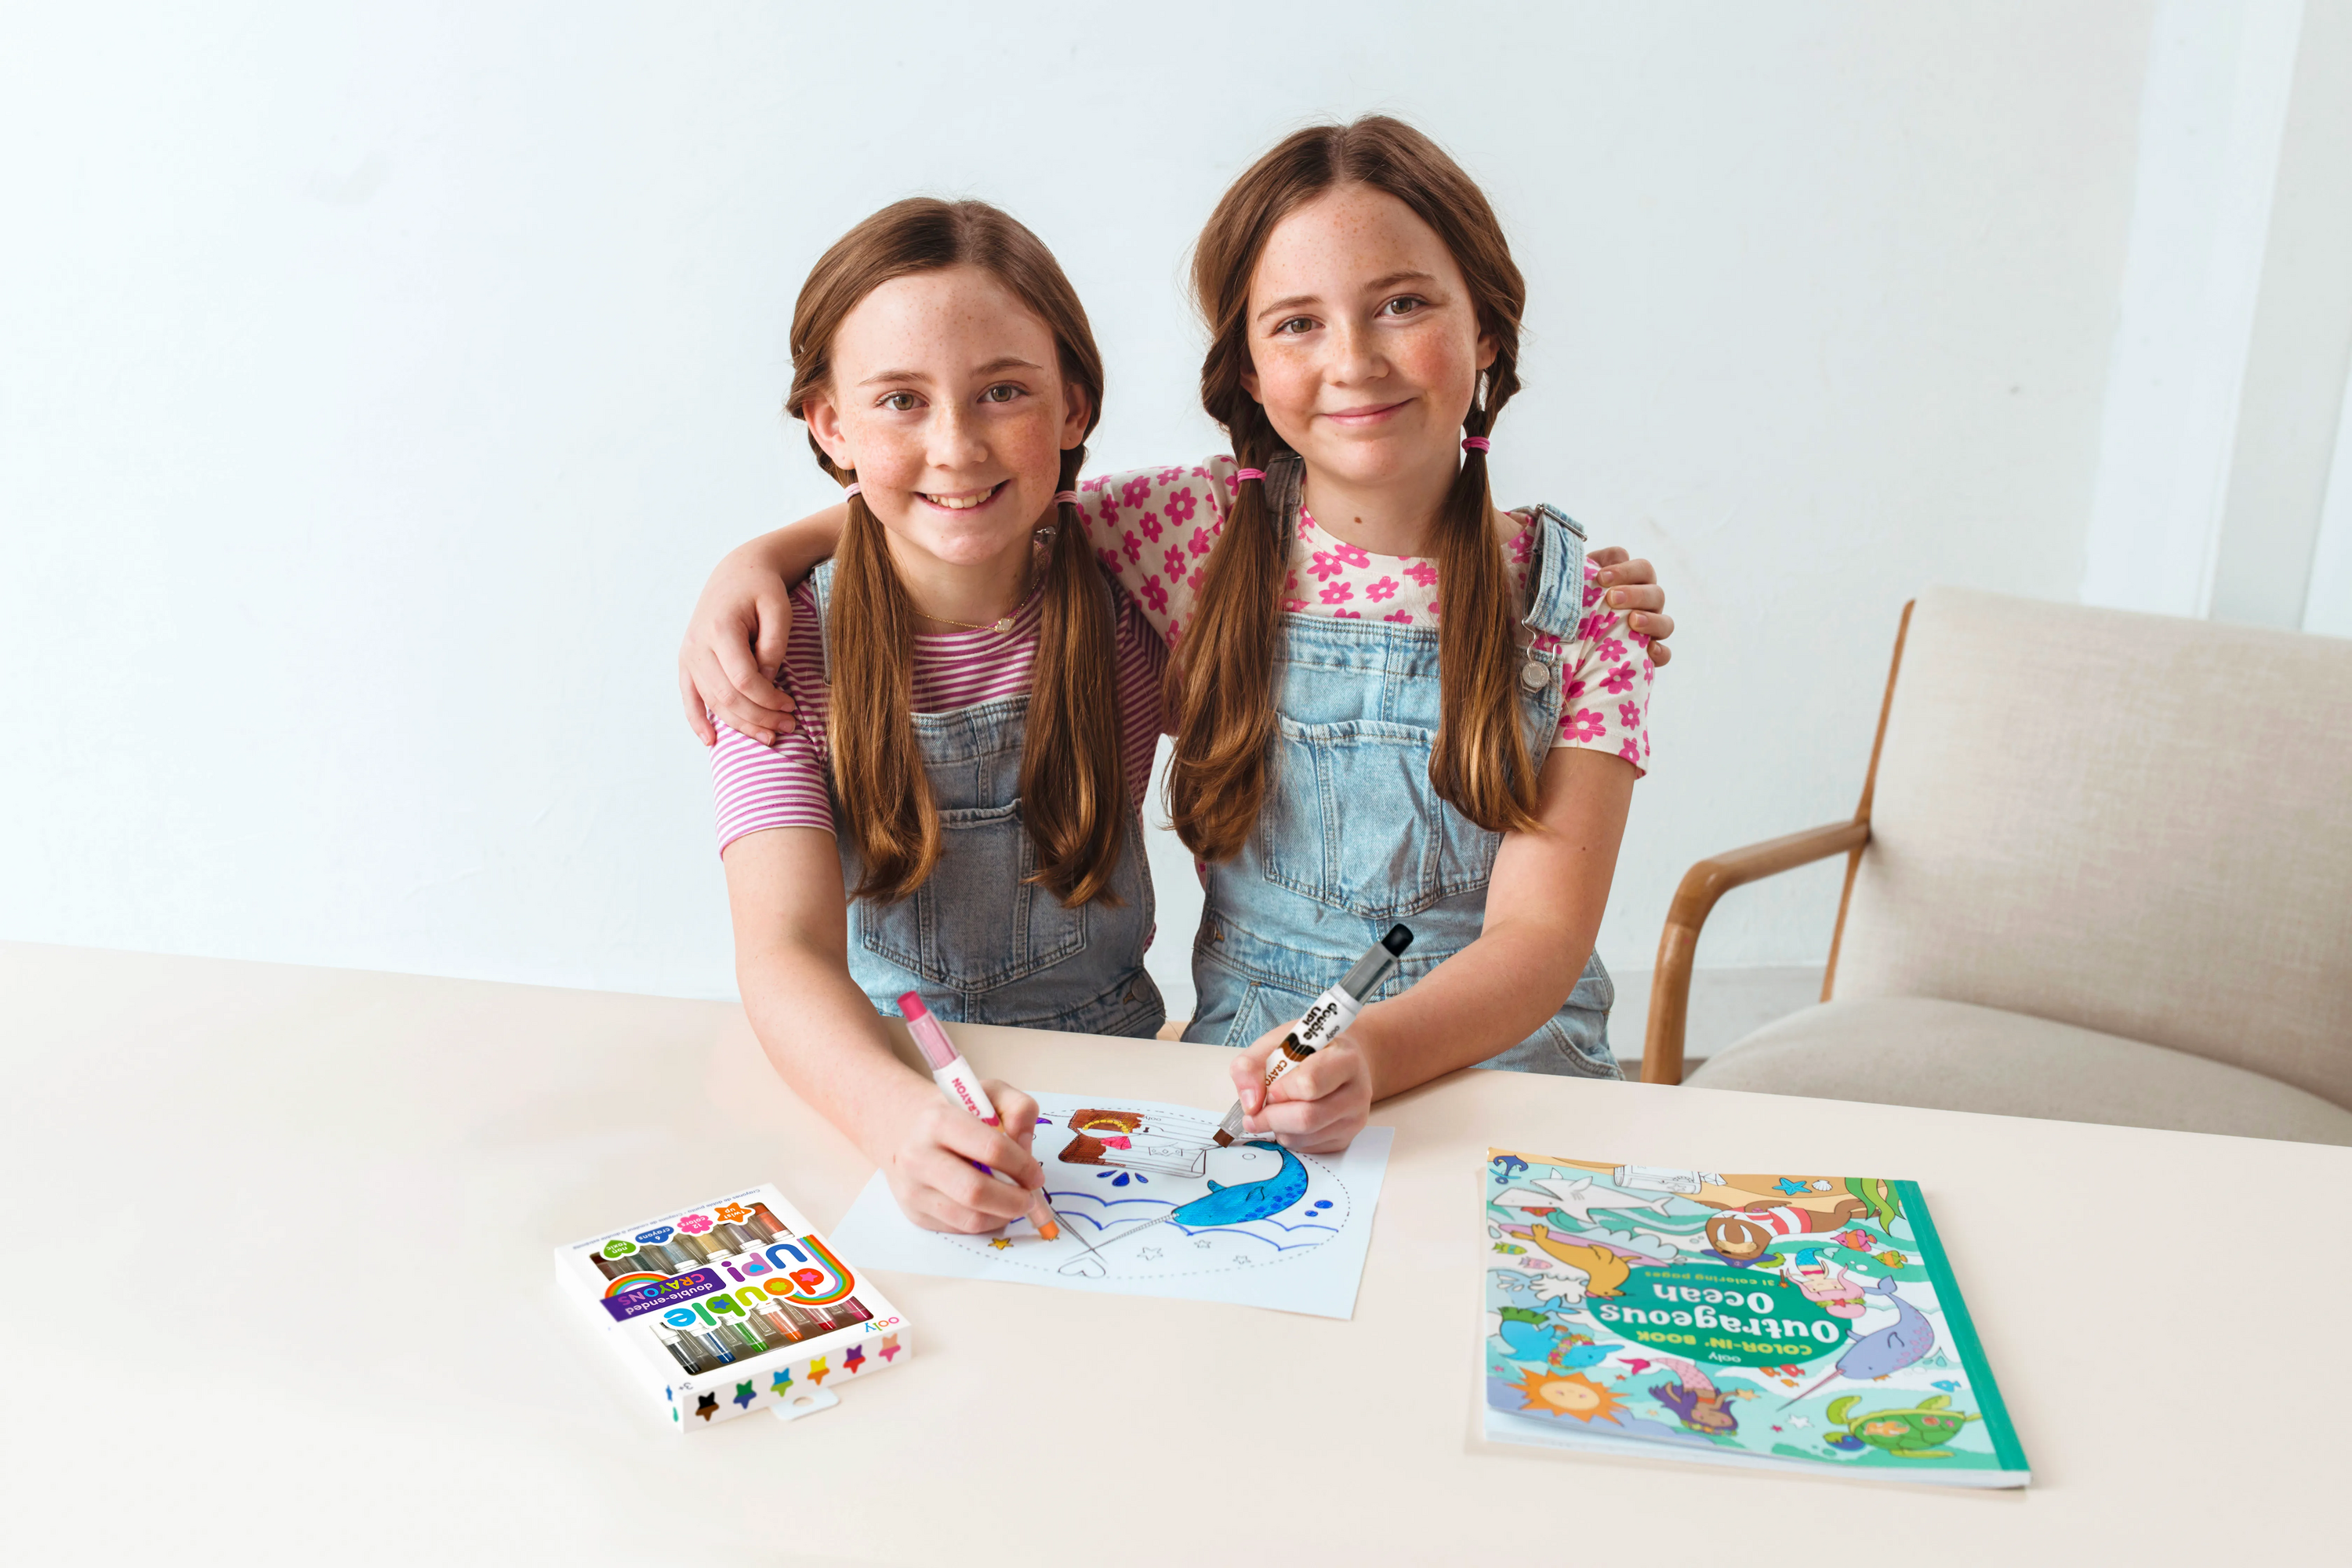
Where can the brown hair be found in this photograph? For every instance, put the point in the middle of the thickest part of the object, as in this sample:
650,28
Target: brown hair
1071,783
1221,689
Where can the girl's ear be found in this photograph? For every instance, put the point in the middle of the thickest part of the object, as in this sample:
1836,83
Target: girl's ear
1075,411
1488,349
825,422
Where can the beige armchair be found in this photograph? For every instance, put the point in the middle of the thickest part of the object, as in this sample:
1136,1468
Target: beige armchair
2102,871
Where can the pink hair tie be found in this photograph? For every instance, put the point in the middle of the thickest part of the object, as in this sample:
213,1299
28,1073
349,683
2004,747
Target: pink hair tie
1240,473
1066,498
1475,443
853,488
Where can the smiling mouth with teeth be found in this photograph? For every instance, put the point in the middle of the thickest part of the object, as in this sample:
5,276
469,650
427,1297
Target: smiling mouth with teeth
965,503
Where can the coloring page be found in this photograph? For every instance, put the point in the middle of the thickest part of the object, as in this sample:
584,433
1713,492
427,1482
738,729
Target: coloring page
1150,1205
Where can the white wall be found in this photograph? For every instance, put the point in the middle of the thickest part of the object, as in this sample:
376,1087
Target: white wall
377,384
2235,326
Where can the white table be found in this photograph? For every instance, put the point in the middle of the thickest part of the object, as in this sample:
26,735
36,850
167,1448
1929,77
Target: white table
279,1289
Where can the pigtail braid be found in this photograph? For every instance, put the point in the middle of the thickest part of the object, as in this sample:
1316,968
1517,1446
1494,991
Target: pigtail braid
1072,785
878,768
1481,762
1221,684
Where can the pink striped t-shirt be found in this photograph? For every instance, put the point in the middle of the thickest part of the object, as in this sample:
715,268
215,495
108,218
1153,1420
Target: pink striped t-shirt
784,785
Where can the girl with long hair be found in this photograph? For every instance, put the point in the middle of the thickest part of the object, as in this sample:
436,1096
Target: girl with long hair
958,812
1392,701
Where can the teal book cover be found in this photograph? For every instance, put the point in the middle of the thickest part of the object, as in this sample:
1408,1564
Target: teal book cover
1781,1322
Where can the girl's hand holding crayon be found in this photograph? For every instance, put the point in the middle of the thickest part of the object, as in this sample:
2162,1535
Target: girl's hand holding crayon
928,1151
1317,1107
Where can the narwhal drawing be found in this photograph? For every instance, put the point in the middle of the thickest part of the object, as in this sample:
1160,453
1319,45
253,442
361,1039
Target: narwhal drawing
1220,1205
1888,1351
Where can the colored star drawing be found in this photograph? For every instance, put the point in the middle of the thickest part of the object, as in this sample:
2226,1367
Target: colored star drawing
1790,1185
707,1408
817,1369
889,1346
1150,1255
745,1394
733,1214
855,1359
1000,1243
783,1381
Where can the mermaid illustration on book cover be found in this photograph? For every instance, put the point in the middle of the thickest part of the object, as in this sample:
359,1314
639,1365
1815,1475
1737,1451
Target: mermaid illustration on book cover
1794,1319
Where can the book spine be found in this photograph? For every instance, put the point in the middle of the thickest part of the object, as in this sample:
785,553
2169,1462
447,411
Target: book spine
2005,1446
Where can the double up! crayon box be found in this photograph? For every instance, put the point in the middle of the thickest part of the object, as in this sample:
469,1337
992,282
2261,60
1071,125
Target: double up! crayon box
732,1307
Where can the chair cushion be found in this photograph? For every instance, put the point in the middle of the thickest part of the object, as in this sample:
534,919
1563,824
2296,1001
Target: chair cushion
2133,823
1952,1055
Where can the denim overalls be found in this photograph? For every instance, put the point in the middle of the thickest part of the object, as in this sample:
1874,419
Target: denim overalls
1353,838
982,946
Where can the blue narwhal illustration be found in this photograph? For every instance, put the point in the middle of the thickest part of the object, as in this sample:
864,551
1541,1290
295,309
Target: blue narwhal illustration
1251,1200
1888,1351
1220,1205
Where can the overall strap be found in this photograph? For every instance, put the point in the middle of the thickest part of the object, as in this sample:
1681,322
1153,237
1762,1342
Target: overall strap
1556,599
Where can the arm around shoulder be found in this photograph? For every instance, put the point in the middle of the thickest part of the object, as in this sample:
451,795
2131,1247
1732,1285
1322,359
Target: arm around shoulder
735,640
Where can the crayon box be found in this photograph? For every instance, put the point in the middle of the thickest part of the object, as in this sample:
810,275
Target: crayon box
732,1307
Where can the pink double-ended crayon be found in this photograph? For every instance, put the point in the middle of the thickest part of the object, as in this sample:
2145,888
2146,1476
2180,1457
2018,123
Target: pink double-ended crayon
962,1085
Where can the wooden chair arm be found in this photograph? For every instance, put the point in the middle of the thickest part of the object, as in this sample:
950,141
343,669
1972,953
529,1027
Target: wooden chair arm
1702,885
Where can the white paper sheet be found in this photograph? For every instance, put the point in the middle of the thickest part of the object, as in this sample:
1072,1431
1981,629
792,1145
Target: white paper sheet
1151,1206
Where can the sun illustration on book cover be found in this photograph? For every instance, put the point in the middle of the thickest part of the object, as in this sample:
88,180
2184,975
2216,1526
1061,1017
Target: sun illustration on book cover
1570,1393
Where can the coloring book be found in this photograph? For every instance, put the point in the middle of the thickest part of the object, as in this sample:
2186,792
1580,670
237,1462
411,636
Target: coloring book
1782,1322
1150,1205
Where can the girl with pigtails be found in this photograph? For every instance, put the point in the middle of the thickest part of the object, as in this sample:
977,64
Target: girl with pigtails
956,812
1385,698
1390,700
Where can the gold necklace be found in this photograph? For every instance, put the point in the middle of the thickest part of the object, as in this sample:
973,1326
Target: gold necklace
1002,623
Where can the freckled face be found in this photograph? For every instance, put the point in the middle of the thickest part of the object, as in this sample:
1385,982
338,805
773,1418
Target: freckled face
947,399
1365,341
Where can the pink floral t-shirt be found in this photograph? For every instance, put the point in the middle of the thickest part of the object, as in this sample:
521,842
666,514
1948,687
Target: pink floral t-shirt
1153,530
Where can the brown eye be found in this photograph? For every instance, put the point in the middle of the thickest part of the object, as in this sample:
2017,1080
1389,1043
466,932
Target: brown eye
900,403
1003,392
1296,325
1405,305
